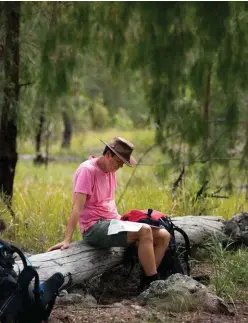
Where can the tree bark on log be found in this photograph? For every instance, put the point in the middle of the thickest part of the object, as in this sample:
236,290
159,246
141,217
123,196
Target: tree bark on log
83,261
199,228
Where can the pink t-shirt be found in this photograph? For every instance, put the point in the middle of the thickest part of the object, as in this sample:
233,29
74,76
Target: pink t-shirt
99,187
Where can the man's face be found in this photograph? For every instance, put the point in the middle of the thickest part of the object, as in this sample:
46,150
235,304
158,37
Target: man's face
114,162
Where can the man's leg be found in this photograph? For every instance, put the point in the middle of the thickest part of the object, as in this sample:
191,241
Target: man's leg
98,236
146,255
161,239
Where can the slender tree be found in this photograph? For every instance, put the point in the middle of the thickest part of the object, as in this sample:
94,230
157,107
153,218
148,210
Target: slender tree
67,133
9,105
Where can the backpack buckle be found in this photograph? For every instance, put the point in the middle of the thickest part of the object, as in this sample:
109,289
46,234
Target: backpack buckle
149,213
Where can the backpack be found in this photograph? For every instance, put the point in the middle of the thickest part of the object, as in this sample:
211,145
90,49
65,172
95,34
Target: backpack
22,298
176,258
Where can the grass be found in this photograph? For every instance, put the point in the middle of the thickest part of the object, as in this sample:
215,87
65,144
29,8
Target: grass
230,277
42,200
86,142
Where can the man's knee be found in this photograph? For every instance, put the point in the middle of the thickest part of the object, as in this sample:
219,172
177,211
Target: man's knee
162,236
164,233
144,234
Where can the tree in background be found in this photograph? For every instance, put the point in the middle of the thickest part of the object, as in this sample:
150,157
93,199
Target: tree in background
107,98
193,59
10,61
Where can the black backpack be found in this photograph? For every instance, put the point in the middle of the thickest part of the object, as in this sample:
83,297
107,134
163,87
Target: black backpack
22,298
176,258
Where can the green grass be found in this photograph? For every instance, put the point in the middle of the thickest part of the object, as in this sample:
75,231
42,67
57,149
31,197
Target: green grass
42,202
86,142
230,272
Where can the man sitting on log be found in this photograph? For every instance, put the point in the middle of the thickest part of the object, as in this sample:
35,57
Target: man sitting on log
94,207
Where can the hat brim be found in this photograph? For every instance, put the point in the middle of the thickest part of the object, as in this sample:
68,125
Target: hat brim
131,162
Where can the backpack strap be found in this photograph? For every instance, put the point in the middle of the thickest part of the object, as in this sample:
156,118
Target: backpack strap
13,303
187,247
25,278
50,291
149,212
11,248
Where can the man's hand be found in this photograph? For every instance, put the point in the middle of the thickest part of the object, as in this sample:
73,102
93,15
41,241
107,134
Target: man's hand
78,205
61,245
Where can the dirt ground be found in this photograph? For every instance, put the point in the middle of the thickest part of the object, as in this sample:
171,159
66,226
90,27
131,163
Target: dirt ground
131,312
117,305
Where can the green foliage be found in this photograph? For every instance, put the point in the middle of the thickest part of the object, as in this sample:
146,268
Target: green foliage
184,48
171,65
100,114
62,66
122,121
66,32
122,91
172,47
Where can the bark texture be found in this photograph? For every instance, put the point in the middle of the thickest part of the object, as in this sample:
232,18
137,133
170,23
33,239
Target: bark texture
8,118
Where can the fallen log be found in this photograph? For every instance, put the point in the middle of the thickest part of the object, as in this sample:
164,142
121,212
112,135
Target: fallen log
199,228
80,260
83,261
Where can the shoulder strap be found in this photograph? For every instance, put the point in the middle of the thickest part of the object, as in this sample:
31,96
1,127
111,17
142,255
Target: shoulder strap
11,248
26,276
14,302
51,289
187,247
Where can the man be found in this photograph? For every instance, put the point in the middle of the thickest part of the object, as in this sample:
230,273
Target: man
94,207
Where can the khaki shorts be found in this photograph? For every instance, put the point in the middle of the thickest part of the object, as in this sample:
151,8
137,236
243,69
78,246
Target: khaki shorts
97,236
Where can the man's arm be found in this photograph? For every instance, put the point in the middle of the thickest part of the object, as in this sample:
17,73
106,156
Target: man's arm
78,205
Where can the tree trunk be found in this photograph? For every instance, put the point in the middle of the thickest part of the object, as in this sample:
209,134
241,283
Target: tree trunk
39,159
40,130
8,118
84,262
66,141
206,111
92,115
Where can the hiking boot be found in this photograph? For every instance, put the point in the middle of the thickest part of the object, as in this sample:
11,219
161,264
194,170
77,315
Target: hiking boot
145,281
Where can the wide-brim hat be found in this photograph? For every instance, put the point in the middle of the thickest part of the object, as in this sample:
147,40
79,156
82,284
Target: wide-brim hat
123,149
